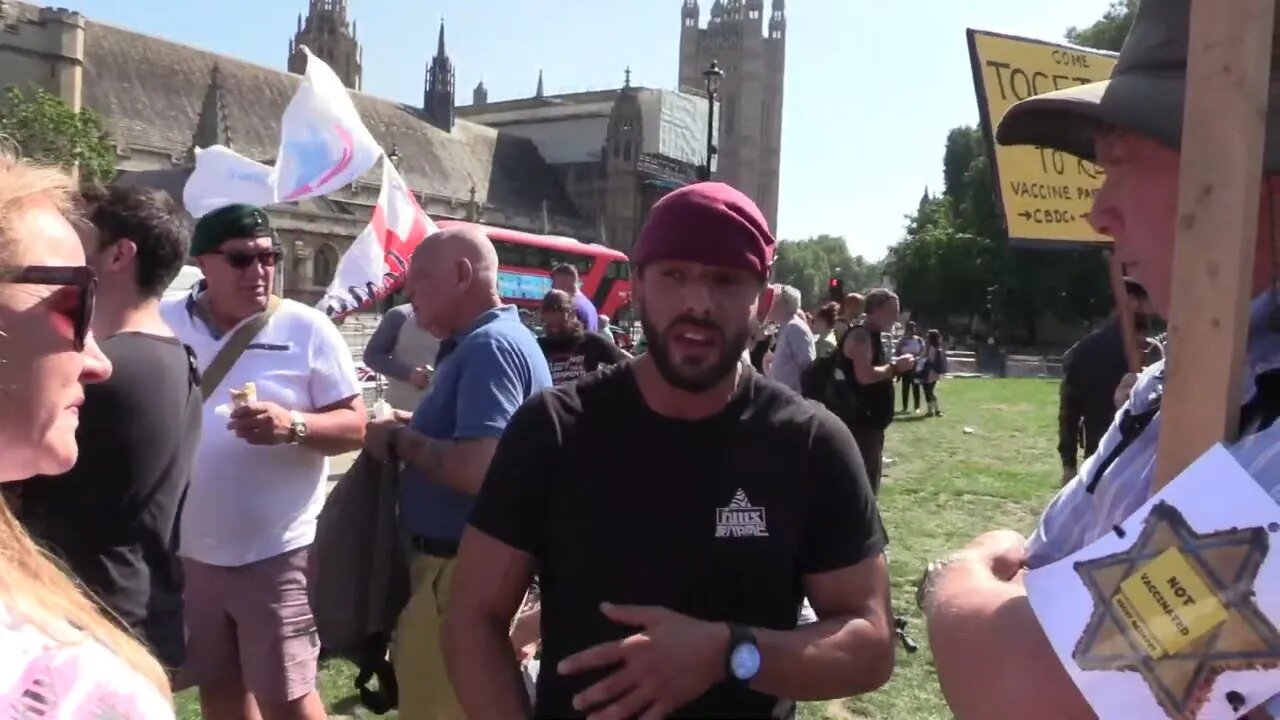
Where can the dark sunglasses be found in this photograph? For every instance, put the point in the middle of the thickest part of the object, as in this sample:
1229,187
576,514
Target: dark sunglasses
242,260
81,277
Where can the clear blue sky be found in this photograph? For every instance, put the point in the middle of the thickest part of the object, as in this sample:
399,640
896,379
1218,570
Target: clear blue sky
872,87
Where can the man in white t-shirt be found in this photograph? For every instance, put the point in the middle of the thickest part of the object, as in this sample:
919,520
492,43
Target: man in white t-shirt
257,485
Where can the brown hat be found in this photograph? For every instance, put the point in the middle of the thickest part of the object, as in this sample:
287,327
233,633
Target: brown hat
709,223
1144,94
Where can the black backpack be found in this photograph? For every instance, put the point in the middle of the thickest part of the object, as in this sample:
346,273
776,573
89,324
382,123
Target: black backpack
825,381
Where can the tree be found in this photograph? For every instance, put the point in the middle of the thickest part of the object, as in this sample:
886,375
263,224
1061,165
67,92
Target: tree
46,129
1109,32
809,264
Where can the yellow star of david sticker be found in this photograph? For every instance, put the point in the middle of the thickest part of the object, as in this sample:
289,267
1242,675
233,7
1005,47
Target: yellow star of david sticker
1178,608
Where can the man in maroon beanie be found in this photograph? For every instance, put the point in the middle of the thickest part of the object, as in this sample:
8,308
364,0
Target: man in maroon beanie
677,510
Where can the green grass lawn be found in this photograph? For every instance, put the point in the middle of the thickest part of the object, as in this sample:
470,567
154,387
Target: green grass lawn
942,486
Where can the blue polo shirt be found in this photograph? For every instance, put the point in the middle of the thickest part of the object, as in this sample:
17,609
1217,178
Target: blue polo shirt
482,375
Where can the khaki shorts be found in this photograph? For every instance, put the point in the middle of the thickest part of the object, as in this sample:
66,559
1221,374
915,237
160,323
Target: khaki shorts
253,621
425,691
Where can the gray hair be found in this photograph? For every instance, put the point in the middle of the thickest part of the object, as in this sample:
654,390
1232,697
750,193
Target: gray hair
788,299
878,298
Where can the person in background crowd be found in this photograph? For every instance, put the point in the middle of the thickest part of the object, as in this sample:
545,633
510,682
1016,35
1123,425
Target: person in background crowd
793,343
258,483
910,344
403,353
488,366
871,374
824,329
607,329
565,277
931,367
655,611
113,519
994,659
852,309
572,352
1091,372
53,636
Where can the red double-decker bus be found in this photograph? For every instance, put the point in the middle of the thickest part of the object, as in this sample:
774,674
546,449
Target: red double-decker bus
525,262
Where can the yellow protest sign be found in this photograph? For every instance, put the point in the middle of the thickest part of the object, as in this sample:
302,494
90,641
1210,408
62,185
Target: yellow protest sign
1045,194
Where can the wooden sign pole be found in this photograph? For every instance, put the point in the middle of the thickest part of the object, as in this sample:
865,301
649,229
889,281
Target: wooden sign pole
1124,314
1228,72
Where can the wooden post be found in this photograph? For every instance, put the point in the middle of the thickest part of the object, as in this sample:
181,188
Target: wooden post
1124,314
1228,69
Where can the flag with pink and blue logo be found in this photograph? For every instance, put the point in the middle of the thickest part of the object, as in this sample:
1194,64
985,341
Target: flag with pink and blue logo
324,146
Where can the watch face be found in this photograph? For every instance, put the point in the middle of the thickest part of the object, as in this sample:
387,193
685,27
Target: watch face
745,661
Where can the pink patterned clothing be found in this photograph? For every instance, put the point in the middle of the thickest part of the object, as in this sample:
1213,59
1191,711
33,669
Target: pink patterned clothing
44,680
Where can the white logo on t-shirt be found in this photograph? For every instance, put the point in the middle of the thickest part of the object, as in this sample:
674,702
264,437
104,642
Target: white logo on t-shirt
741,519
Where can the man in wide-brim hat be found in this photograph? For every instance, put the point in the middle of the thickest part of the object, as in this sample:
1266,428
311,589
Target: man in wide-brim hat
993,659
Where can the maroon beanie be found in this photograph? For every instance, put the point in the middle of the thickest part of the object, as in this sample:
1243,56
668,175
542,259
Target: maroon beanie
709,223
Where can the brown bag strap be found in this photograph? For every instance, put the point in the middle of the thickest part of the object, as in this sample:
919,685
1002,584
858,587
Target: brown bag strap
235,347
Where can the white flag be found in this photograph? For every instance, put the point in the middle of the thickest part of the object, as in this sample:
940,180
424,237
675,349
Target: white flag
324,146
375,264
224,177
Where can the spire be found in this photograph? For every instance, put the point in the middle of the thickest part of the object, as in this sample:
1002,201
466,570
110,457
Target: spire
539,93
329,34
211,126
438,98
627,83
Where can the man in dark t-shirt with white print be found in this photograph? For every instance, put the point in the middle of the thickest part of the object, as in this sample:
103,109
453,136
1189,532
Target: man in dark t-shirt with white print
113,518
670,583
571,351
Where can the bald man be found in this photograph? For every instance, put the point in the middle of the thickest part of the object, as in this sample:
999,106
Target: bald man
488,365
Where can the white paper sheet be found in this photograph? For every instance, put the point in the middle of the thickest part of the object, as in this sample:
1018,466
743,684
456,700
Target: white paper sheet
1214,497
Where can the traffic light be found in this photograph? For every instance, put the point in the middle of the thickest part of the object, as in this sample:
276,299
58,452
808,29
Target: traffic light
835,289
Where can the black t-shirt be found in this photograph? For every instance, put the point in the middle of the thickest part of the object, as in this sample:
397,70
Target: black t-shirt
572,357
718,519
875,401
113,519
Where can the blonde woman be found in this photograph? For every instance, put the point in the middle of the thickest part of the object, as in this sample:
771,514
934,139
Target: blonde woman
59,656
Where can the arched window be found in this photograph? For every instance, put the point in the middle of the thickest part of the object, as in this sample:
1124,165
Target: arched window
324,265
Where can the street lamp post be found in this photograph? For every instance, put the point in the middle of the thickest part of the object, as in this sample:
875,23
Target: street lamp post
713,76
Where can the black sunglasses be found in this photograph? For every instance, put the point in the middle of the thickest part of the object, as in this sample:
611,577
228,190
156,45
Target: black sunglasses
242,260
81,277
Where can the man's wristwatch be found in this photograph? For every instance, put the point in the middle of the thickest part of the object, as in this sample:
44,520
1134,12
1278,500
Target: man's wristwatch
297,427
743,658
930,578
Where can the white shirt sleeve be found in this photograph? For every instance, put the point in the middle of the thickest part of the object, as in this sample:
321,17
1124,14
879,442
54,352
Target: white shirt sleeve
333,371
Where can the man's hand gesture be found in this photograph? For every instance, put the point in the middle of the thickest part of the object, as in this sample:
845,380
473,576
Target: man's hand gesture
673,661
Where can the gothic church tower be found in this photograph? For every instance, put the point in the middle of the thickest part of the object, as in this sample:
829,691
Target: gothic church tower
438,95
327,33
752,54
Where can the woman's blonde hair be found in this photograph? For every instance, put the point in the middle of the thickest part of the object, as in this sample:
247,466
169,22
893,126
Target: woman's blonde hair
30,583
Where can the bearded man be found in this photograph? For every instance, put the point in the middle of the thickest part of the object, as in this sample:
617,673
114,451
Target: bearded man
671,580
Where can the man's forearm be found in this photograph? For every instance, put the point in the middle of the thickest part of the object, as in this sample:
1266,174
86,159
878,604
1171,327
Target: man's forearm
335,432
388,366
829,659
993,659
430,456
482,666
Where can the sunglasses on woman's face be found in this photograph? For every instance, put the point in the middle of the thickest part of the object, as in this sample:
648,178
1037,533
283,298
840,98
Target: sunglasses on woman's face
242,260
78,307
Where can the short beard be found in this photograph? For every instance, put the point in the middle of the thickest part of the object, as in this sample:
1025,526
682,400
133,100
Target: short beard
699,381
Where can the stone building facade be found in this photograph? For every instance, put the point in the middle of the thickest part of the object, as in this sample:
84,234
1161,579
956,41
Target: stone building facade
160,100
